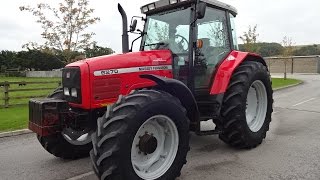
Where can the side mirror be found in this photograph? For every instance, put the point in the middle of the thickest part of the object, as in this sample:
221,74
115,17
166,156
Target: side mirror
133,25
201,10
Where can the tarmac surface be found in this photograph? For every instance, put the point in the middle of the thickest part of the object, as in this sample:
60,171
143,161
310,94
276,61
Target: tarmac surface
290,151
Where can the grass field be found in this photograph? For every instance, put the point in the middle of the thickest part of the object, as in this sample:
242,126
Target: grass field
15,118
28,86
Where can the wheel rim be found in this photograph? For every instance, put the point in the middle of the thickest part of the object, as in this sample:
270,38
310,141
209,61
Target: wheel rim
154,147
257,103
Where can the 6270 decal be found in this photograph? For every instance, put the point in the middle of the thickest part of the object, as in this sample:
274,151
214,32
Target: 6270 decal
109,72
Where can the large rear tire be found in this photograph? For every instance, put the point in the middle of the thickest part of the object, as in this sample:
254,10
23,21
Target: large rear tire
247,106
60,146
144,135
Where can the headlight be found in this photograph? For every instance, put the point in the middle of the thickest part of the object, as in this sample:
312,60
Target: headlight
71,83
152,6
173,1
66,91
74,92
145,9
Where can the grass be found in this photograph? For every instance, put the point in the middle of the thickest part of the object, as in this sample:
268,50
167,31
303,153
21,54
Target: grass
280,82
15,118
28,86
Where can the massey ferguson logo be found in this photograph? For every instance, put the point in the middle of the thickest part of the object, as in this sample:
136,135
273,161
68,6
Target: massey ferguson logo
153,68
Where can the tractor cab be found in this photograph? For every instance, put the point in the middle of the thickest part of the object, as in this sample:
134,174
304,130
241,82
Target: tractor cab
200,34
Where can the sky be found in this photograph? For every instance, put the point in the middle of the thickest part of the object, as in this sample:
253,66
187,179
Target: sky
298,19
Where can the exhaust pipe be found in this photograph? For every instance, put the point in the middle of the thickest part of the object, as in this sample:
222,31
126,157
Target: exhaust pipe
125,37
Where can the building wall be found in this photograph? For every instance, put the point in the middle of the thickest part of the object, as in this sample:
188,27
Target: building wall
294,65
44,74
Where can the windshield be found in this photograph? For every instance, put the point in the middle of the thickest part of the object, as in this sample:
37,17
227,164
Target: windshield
168,30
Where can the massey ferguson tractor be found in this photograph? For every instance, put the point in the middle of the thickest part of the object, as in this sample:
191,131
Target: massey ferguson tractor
133,112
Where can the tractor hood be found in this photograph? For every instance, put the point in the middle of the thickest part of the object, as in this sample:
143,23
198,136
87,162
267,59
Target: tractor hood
128,60
104,78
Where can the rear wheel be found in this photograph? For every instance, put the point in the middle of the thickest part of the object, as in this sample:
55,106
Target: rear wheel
70,143
144,135
247,106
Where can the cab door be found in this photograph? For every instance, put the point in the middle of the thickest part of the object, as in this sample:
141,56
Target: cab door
212,32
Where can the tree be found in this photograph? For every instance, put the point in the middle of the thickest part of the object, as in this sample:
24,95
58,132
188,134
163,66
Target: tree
97,51
250,39
266,49
37,60
7,60
32,59
307,50
270,49
64,27
287,43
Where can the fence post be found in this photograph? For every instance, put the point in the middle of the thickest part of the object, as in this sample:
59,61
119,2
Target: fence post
285,69
292,65
6,94
318,62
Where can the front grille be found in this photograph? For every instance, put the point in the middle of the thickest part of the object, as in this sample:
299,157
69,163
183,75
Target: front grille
71,78
106,88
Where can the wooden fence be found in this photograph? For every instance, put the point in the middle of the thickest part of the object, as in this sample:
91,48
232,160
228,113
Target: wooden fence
6,91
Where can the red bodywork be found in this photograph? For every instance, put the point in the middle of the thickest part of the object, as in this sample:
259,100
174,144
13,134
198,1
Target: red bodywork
100,91
226,69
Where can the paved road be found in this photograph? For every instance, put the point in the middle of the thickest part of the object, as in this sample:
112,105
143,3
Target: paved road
291,150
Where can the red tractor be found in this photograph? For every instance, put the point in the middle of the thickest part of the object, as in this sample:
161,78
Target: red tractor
137,109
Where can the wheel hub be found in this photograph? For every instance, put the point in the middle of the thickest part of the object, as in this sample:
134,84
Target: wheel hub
154,147
147,144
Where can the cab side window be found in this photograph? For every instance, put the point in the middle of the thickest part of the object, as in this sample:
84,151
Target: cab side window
213,32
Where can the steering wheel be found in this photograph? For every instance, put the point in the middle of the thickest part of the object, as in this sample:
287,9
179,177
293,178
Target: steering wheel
182,43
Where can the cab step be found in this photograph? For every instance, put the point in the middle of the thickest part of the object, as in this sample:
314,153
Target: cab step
207,133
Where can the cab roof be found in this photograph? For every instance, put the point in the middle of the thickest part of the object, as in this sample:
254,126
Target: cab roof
161,5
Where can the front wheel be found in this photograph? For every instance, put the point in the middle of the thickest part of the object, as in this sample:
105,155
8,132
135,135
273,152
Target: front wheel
247,106
144,135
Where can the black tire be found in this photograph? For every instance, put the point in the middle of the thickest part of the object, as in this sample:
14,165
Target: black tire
111,154
58,146
235,130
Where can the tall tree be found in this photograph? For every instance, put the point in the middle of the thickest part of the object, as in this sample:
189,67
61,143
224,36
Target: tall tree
250,39
65,26
287,43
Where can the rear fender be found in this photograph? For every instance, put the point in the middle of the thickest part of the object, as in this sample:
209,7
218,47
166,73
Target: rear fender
179,90
228,66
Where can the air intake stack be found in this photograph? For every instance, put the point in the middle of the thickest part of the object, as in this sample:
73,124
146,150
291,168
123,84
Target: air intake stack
125,37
